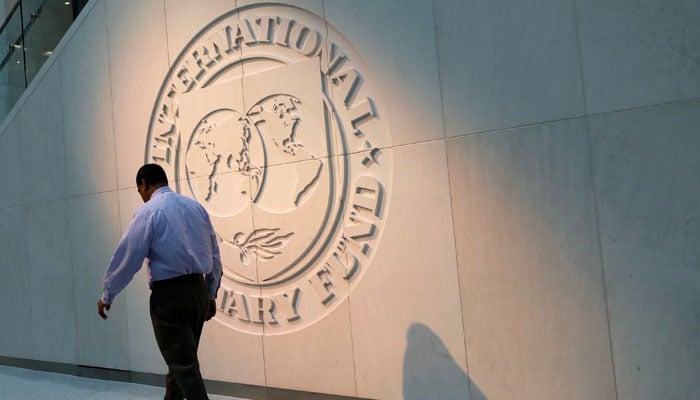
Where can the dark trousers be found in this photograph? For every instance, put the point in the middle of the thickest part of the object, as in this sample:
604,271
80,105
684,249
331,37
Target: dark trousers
178,309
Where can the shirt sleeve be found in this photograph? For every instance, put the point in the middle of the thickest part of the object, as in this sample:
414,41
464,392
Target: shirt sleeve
213,279
128,258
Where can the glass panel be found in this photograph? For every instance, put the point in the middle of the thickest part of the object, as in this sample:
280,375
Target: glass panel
28,8
11,65
50,21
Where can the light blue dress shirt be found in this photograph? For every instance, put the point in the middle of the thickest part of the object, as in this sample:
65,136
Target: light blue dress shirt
175,235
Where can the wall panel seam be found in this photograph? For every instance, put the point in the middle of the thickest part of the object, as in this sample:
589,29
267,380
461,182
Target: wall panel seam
332,158
449,185
591,174
127,352
67,197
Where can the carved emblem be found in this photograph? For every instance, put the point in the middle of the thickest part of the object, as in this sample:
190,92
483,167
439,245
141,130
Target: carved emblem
268,119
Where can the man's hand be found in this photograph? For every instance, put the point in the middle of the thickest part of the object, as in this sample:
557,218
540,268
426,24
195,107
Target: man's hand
212,309
101,308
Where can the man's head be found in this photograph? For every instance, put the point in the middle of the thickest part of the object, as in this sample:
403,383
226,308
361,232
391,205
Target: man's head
149,178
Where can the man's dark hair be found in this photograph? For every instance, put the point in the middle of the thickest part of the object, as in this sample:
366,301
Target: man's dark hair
151,174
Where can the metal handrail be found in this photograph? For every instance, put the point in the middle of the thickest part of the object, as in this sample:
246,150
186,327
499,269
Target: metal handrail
19,42
7,19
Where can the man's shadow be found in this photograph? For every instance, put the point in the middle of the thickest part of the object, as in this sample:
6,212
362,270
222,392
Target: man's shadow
430,372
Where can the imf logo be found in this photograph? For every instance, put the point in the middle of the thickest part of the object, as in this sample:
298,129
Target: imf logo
268,119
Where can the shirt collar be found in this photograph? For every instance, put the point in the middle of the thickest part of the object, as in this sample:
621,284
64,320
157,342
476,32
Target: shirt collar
160,190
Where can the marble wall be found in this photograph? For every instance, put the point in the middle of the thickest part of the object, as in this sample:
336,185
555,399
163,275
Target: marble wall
528,173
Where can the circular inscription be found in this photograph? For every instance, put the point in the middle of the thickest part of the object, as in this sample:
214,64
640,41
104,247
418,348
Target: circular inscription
269,119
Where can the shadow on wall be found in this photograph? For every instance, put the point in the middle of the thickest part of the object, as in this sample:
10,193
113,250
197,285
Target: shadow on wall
430,372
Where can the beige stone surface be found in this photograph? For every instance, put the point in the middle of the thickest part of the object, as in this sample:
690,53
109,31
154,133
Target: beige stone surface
646,168
42,143
409,294
94,233
394,45
15,287
636,54
231,356
138,66
86,110
315,6
11,165
184,19
530,270
507,64
54,316
316,359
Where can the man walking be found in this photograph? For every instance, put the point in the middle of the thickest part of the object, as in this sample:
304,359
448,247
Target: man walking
184,267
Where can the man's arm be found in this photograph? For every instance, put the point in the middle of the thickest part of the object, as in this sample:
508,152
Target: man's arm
126,261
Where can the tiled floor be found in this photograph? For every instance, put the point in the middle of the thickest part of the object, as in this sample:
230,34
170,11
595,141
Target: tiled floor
24,384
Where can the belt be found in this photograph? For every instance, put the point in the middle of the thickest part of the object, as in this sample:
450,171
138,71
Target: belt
178,280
